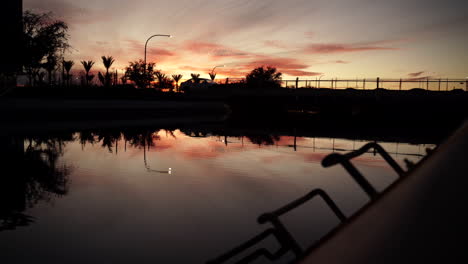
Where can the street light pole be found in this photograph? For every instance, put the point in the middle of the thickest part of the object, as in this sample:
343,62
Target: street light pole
157,35
146,45
212,71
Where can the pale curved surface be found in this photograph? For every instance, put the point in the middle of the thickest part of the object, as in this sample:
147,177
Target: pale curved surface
418,221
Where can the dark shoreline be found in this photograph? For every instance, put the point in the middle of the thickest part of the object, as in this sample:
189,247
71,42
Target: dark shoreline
416,116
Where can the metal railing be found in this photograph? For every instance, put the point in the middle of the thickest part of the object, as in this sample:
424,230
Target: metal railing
431,84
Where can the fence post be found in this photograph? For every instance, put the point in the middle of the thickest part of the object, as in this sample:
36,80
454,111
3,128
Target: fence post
400,84
297,82
364,84
439,84
227,80
286,83
427,84
378,82
446,88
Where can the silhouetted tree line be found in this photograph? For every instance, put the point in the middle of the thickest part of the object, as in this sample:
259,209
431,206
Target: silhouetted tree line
46,43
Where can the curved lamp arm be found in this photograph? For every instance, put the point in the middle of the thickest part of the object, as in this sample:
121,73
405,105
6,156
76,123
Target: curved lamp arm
157,35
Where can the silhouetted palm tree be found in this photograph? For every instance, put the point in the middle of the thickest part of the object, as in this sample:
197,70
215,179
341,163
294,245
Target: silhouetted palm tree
164,81
50,66
87,65
195,77
67,65
176,78
212,75
160,76
107,61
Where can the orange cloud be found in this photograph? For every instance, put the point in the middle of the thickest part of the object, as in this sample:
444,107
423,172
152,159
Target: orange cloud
285,65
138,47
342,48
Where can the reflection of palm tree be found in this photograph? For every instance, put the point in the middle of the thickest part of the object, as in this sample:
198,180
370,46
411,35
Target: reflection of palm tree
87,137
87,65
177,78
109,138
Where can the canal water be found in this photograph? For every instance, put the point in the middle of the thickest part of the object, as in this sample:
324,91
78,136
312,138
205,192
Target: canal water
171,196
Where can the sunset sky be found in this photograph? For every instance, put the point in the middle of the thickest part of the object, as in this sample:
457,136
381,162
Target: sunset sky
305,38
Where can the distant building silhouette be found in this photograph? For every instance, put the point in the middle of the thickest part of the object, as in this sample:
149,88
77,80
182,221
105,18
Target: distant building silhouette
11,28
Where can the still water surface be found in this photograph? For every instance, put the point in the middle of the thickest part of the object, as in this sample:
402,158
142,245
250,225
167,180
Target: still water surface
170,196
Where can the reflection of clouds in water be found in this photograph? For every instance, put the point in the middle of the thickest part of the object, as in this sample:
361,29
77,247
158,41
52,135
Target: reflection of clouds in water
214,191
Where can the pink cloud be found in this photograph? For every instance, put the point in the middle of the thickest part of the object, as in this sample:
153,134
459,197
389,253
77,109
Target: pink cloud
309,34
215,50
192,68
275,44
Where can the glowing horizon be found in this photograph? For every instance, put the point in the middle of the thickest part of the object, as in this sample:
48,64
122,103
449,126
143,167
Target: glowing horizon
302,38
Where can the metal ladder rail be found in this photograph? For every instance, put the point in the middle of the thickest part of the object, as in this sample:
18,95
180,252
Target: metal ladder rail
285,235
344,160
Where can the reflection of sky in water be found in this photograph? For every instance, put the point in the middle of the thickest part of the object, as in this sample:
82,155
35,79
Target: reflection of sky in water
120,211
